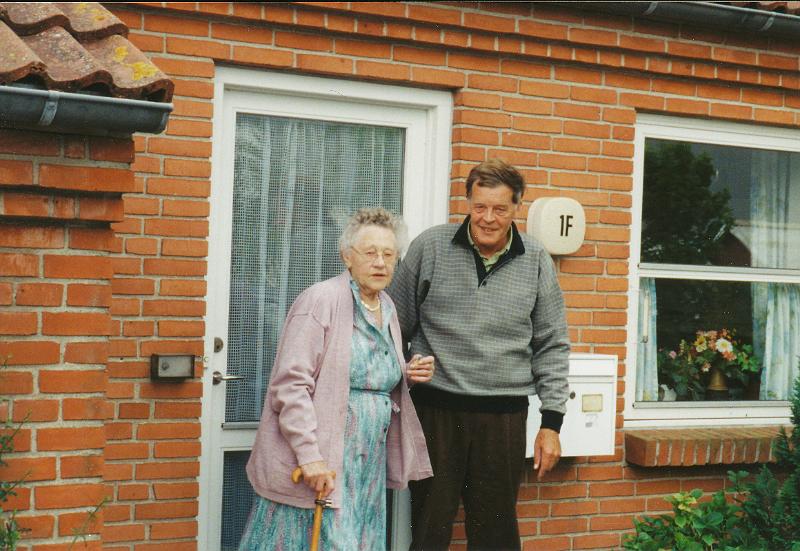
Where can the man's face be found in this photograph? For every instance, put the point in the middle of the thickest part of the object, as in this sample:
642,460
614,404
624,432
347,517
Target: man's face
491,213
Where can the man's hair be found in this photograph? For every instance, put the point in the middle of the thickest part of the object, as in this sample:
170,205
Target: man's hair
373,217
494,173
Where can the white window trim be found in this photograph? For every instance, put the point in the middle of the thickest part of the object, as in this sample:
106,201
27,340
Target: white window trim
673,414
427,206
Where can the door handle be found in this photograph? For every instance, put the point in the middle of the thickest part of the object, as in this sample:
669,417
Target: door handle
217,377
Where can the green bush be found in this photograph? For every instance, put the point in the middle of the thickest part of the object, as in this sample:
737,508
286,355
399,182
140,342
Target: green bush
760,515
694,525
772,508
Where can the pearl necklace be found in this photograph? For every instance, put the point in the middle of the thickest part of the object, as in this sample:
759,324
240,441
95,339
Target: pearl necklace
371,308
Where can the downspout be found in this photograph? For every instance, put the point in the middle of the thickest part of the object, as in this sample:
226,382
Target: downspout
702,14
23,106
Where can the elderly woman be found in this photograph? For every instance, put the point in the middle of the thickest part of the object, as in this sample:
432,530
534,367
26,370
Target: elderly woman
338,405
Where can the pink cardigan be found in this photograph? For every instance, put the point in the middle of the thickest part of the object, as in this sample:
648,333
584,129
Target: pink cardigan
306,407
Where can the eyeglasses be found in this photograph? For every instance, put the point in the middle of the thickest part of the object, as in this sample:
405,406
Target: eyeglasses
371,255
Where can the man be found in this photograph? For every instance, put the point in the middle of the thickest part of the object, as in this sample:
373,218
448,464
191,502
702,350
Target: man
484,300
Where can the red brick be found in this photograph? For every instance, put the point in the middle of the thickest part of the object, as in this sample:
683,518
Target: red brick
39,294
202,129
86,352
170,530
438,77
76,267
325,64
134,410
178,490
33,410
176,186
81,466
532,106
116,533
29,353
64,439
525,68
15,172
176,449
168,328
85,178
69,496
175,267
71,381
16,382
141,246
156,470
132,492
81,409
67,323
386,71
167,431
39,526
18,323
6,294
162,391
542,30
563,526
163,511
30,469
89,295
187,288
18,204
177,410
24,265
24,142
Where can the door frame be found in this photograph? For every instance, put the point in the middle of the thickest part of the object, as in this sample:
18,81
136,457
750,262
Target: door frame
430,206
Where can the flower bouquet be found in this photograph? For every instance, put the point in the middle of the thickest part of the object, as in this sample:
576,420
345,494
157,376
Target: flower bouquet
708,363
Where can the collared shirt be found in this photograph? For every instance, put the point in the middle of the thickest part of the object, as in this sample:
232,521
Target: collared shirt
492,260
514,247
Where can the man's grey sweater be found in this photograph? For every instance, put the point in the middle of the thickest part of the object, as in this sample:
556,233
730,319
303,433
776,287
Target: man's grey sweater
505,335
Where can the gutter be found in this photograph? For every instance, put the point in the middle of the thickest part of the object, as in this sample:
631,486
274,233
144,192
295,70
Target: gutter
23,106
702,14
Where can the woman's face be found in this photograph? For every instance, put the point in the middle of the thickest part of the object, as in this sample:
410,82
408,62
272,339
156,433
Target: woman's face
372,258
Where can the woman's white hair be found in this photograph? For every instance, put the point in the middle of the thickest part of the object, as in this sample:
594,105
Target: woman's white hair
376,216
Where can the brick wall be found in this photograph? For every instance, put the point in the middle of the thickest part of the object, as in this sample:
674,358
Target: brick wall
58,197
554,92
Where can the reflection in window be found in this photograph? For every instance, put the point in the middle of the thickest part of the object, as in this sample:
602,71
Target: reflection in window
717,205
714,335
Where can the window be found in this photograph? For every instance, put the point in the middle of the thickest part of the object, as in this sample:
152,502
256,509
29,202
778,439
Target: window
716,278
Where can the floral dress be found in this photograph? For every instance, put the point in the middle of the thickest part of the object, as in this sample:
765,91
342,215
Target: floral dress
360,524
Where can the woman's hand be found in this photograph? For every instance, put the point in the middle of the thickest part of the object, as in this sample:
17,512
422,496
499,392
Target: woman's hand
318,477
419,369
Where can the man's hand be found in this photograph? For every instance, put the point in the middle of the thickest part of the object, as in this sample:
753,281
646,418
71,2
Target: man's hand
546,452
419,369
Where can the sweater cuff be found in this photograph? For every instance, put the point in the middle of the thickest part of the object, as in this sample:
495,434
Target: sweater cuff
552,420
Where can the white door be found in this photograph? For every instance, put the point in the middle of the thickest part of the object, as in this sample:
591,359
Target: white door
293,157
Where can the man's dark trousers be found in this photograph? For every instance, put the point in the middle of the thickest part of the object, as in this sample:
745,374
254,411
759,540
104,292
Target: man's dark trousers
478,457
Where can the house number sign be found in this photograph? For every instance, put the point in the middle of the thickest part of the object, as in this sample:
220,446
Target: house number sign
559,223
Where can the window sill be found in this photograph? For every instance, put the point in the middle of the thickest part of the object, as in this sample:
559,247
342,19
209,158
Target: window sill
688,447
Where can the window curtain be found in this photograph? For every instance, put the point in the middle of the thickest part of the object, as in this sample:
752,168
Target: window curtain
646,361
295,182
776,306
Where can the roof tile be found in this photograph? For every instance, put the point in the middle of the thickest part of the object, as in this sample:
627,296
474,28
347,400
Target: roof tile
75,47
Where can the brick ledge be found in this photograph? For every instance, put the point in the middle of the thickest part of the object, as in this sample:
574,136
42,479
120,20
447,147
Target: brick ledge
687,447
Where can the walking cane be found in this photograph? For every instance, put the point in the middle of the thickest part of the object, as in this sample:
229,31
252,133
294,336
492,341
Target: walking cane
320,503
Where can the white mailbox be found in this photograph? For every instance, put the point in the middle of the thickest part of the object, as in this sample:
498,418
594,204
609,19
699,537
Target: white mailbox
589,423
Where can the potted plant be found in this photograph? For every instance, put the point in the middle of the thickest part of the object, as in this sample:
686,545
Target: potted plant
709,367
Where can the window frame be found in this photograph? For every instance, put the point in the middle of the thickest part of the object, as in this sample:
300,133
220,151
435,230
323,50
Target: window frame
665,414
